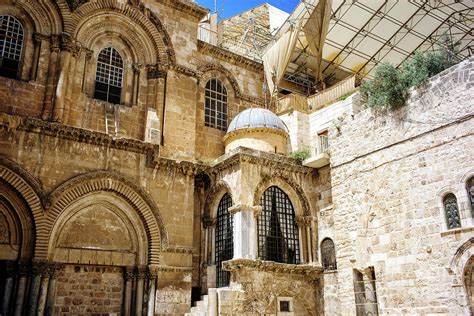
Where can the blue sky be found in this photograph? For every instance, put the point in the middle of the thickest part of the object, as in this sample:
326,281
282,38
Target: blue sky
229,8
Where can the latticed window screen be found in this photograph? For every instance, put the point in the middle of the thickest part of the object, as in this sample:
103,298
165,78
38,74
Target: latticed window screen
11,44
109,76
224,240
277,230
451,210
470,192
328,254
215,109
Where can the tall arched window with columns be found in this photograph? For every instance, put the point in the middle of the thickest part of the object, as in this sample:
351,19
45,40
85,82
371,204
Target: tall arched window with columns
277,230
453,220
215,109
224,240
109,76
11,45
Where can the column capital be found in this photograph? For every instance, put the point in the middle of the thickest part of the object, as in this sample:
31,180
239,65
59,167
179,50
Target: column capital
209,222
305,221
23,267
256,209
141,272
129,273
155,71
38,37
152,273
54,43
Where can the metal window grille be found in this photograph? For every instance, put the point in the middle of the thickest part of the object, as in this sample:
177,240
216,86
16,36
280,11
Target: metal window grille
11,44
453,219
109,76
328,254
365,294
470,192
215,110
277,230
224,240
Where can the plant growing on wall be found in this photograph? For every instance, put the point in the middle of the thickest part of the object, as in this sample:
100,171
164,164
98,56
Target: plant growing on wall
300,155
390,86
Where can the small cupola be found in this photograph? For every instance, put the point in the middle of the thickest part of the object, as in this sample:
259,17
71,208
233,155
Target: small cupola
259,129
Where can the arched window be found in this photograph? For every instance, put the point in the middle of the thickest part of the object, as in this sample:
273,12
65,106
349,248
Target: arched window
109,76
224,240
11,44
451,210
215,110
470,193
328,254
277,230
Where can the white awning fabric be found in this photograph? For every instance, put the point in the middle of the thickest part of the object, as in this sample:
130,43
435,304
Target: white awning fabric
277,57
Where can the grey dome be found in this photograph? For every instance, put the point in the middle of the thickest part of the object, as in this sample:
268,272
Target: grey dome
257,118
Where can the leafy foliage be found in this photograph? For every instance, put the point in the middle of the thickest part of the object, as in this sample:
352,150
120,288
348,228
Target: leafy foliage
389,88
300,155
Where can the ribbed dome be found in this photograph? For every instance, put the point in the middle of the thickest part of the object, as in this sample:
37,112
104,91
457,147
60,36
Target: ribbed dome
256,118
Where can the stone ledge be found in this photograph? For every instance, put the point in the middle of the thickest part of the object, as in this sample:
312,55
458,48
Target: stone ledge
457,231
311,271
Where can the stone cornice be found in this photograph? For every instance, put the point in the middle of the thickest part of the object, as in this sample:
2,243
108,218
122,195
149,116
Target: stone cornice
229,56
252,156
186,6
166,268
58,130
234,134
308,271
242,207
179,249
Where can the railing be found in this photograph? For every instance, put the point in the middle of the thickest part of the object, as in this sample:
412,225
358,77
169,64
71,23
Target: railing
322,146
318,100
207,35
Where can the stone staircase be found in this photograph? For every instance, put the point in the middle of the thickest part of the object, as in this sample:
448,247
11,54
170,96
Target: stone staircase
201,308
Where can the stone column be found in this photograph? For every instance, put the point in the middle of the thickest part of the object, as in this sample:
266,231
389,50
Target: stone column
67,45
141,275
23,271
85,72
10,278
37,41
245,230
43,292
212,302
51,76
136,82
75,51
33,294
152,277
314,237
129,275
49,309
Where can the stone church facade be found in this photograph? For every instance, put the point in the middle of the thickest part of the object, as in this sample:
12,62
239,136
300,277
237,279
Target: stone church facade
125,188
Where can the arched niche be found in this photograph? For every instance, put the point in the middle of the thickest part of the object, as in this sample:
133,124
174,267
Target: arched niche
99,228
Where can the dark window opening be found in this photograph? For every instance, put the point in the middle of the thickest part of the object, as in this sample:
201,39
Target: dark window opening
470,192
109,76
224,240
328,254
277,230
11,44
284,306
453,220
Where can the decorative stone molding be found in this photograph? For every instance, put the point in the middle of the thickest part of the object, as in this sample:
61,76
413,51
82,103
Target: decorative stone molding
24,267
305,221
129,273
39,38
155,71
166,268
209,222
229,137
461,258
241,207
180,249
141,272
221,69
216,192
229,56
186,71
187,7
54,43
275,178
308,271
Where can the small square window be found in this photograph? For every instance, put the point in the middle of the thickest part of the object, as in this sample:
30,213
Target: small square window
284,306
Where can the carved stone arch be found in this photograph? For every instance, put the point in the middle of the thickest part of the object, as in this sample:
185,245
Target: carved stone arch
461,258
45,14
139,199
26,185
209,71
290,187
214,197
17,220
150,26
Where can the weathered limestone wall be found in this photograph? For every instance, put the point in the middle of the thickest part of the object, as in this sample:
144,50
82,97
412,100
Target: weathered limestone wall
389,174
89,290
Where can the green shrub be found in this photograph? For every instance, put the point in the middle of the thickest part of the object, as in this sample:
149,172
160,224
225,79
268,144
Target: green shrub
300,155
389,88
